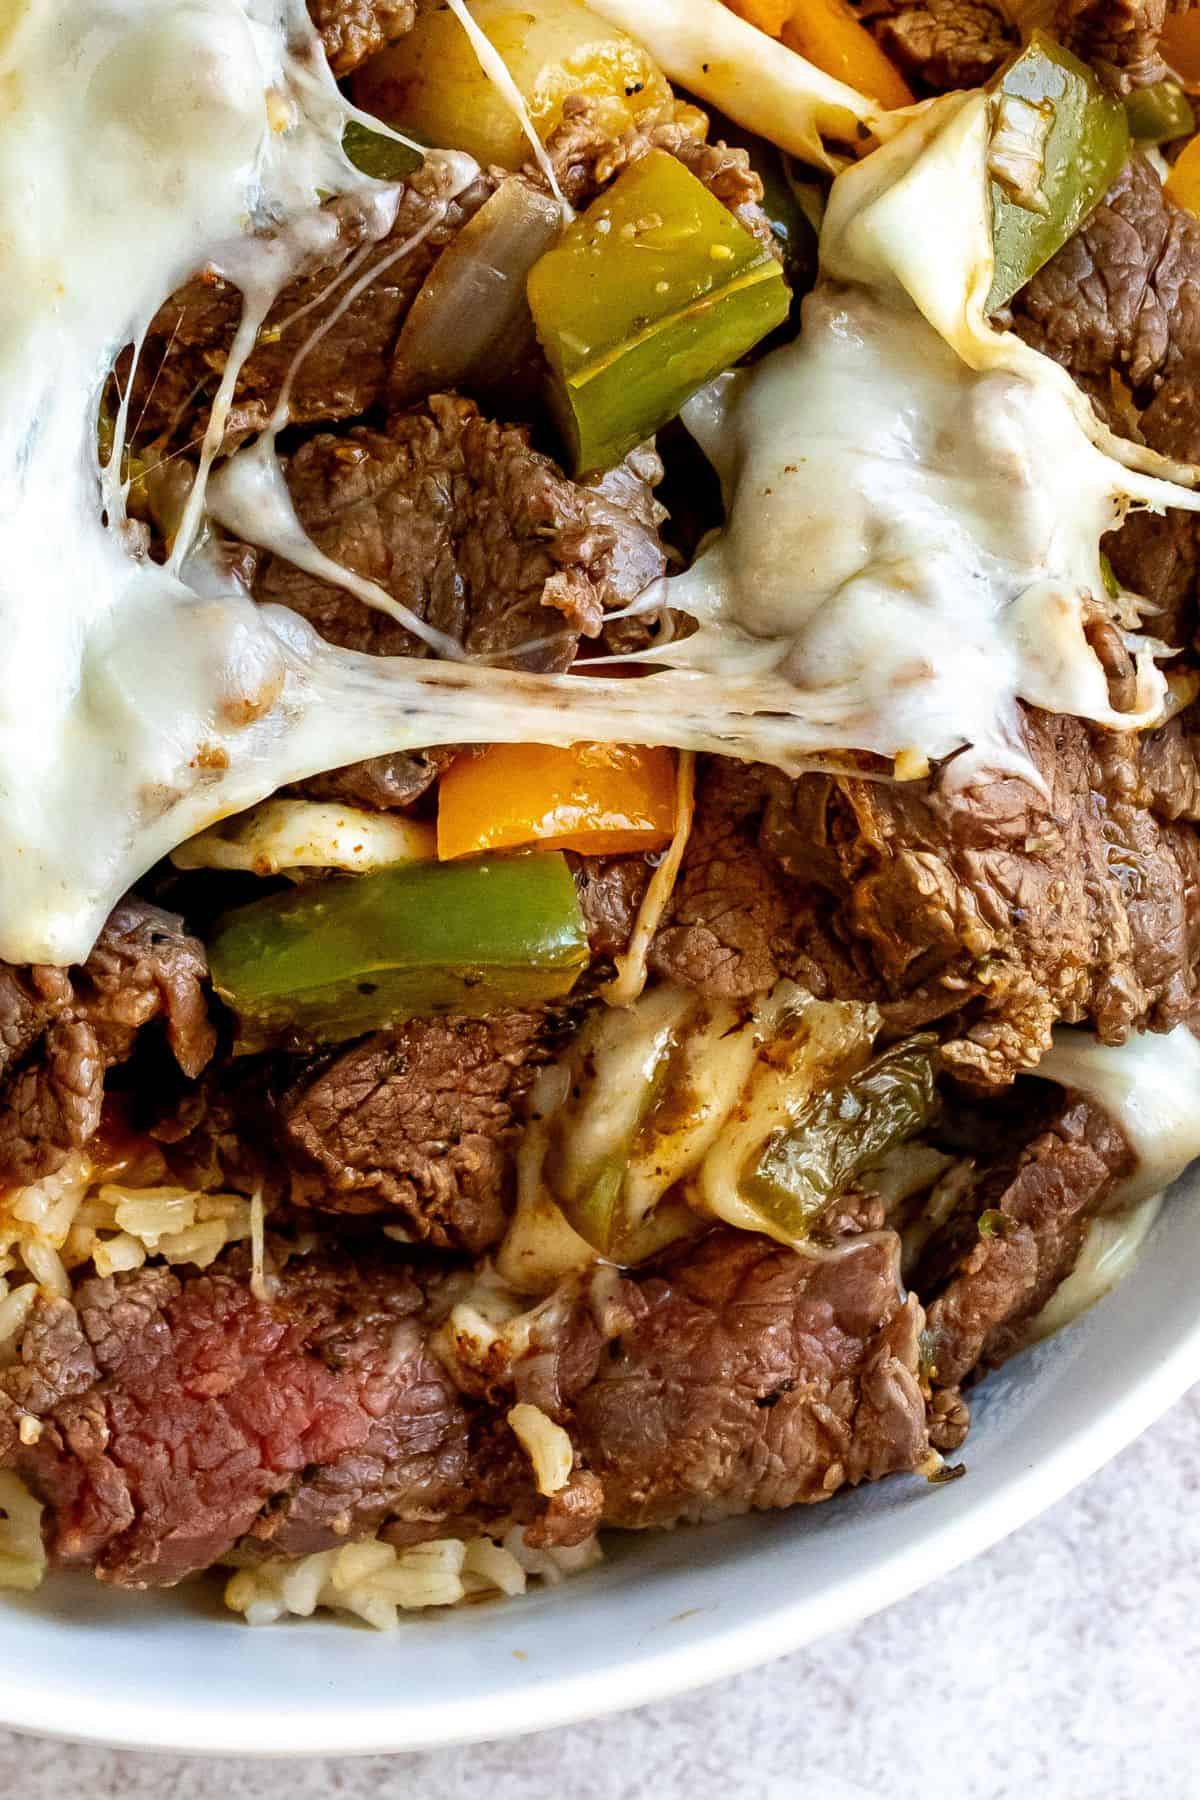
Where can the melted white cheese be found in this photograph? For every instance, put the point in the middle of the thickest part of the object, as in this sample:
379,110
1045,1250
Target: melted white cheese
142,139
915,501
1110,1252
1149,1085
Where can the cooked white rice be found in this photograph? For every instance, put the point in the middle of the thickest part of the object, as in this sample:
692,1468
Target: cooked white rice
22,1553
376,1582
546,1444
81,1219
76,1217
75,1220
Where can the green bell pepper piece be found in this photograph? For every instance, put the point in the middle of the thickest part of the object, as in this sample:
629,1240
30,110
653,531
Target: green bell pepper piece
647,296
593,1198
375,153
345,956
1160,113
841,1132
791,226
1083,151
600,1217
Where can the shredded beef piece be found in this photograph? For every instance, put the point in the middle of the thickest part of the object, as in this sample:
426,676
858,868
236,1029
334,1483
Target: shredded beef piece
754,1378
469,527
347,370
184,1409
29,999
729,925
419,1122
1038,1204
1122,299
62,1030
1005,911
942,44
352,30
623,501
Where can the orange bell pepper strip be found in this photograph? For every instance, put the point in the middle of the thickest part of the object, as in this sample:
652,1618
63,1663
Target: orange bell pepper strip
769,15
827,33
599,799
1180,45
1183,183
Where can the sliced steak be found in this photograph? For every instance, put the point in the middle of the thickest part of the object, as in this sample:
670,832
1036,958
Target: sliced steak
738,920
346,371
419,1123
587,155
61,1030
380,783
352,30
1003,909
181,1417
754,1378
1118,37
1123,298
1124,293
468,526
1031,1215
942,44
611,890
183,1412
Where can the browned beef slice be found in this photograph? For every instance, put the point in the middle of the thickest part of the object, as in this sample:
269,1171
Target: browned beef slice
352,30
754,1378
587,156
1037,1205
180,1410
1124,295
144,966
1118,37
736,920
942,44
611,890
347,369
1160,770
380,783
419,1122
182,1415
470,528
1124,292
61,1030
1006,909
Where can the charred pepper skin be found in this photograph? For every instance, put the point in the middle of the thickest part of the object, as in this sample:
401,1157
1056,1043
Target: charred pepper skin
648,295
843,1130
342,957
1085,149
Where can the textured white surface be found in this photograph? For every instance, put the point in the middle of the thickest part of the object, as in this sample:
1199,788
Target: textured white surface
1065,1663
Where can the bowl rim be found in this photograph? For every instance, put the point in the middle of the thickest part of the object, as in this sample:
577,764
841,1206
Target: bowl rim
200,1724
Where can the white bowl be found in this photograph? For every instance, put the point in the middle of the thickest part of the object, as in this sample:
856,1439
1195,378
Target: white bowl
662,1614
